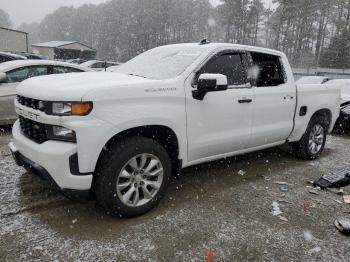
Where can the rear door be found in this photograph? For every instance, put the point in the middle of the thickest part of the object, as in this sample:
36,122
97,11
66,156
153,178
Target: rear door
221,123
7,95
275,99
63,70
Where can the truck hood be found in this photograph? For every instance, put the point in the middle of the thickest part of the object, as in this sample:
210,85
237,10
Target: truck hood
72,87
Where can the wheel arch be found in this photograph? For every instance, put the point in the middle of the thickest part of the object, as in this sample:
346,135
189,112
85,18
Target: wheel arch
162,134
326,114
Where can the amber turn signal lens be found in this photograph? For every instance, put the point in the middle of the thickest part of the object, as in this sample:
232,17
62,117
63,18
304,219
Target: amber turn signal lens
81,109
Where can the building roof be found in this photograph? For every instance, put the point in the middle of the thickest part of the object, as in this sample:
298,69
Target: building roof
55,43
9,29
62,45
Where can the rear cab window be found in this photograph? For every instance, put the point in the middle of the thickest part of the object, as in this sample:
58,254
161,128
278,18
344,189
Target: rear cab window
267,70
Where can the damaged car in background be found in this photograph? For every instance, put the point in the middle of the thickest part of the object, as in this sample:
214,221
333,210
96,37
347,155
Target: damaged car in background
343,121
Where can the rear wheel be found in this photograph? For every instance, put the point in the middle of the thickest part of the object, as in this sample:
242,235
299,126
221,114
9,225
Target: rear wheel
313,141
133,176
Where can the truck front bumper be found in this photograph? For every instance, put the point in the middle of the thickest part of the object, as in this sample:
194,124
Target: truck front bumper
50,161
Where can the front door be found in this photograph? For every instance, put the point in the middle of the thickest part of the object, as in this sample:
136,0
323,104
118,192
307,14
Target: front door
221,123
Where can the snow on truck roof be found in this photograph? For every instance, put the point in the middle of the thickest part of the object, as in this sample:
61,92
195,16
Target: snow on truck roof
213,46
169,61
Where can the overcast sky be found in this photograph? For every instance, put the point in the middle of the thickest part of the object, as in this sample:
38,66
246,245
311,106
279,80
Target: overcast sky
26,11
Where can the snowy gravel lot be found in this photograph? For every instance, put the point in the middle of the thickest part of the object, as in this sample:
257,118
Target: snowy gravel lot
224,206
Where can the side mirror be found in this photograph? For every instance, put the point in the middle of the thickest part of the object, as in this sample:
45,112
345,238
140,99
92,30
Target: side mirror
209,83
3,77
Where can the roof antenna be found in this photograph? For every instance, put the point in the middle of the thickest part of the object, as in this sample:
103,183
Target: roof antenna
204,42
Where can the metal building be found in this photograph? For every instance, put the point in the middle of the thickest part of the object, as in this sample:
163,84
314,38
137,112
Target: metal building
63,50
13,40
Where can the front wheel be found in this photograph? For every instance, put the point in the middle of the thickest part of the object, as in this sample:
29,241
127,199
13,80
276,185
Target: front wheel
133,176
313,141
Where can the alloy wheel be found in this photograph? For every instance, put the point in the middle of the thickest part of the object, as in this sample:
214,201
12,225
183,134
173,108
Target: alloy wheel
140,180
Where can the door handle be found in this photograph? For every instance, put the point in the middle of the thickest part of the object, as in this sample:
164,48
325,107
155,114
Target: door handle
288,97
245,100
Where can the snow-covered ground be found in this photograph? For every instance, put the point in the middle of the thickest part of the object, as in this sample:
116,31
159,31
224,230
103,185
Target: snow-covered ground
223,206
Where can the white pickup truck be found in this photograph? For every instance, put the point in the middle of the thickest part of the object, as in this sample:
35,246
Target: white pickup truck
123,134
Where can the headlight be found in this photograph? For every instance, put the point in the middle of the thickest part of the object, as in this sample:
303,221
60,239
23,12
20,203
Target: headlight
71,108
61,133
59,108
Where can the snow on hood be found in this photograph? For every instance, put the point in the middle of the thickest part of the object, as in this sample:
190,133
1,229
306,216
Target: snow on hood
72,87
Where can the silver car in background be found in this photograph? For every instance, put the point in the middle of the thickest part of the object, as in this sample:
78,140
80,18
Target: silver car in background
99,65
14,72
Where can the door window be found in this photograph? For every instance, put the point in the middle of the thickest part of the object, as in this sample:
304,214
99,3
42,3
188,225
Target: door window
64,70
98,65
18,75
230,65
267,70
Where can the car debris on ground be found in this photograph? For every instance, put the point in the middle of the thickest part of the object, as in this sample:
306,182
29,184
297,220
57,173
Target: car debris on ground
241,173
276,211
338,191
334,183
334,180
346,199
281,183
314,192
284,188
343,225
283,218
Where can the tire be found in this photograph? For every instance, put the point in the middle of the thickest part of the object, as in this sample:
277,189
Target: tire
305,149
127,161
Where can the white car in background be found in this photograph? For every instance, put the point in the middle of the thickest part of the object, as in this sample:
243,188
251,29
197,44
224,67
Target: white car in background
309,80
14,72
99,65
344,85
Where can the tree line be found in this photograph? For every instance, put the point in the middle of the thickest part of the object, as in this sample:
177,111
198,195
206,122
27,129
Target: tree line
310,32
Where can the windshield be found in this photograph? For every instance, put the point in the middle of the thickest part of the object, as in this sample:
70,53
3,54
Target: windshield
162,62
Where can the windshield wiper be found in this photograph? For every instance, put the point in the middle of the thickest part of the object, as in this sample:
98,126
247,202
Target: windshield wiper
137,75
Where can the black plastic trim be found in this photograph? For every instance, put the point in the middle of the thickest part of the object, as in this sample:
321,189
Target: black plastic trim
36,169
46,178
74,166
303,111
